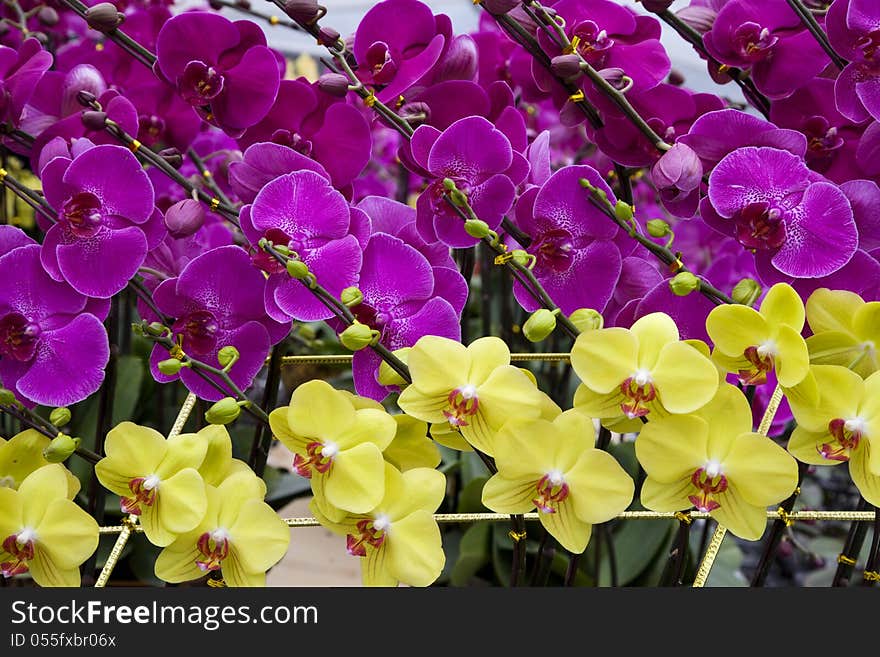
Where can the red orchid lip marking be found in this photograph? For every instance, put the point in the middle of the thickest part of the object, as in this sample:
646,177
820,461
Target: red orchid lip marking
847,435
463,404
21,547
371,531
639,389
320,459
144,489
761,359
552,490
710,482
214,548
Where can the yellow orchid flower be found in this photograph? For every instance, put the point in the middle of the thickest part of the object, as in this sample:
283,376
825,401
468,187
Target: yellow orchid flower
846,331
473,389
399,540
22,454
843,426
240,535
411,447
44,532
751,342
218,463
553,466
337,446
712,460
630,373
156,479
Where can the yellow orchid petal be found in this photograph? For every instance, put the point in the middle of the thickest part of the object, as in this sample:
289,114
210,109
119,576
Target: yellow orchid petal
673,448
362,402
603,359
21,455
427,407
504,495
733,328
835,348
572,533
507,393
336,520
281,430
185,450
218,456
804,445
11,513
579,434
180,505
762,471
445,435
866,480
829,310
369,425
318,411
438,365
67,535
840,393
259,537
728,415
730,363
236,576
411,447
783,306
793,360
234,492
177,562
356,480
375,568
654,331
685,379
39,490
600,488
667,497
741,518
599,405
47,573
527,449
139,448
420,489
866,321
414,550
486,354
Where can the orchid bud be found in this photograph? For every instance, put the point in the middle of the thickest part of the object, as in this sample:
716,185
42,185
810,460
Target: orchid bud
302,11
48,16
94,121
658,228
227,355
223,412
59,416
172,156
520,257
415,114
459,62
357,336
616,77
680,168
587,319
351,296
7,397
184,218
476,228
86,98
623,211
328,37
104,17
60,448
297,269
169,367
82,77
746,291
699,18
499,7
683,283
387,375
566,66
539,325
334,84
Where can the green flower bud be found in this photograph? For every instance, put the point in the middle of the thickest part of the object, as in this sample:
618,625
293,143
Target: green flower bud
539,325
351,296
282,249
683,283
59,416
448,184
7,397
357,336
458,198
476,228
586,184
746,291
623,211
223,412
169,367
60,448
658,228
587,319
388,376
156,328
297,269
521,257
227,355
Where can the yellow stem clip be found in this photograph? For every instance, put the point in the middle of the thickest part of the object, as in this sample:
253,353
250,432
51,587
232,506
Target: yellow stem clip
572,46
517,536
684,517
274,20
135,145
503,259
871,576
370,100
845,560
577,97
786,518
215,203
177,350
216,583
3,173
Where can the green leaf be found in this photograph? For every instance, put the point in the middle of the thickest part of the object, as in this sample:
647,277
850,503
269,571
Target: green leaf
129,376
470,499
474,553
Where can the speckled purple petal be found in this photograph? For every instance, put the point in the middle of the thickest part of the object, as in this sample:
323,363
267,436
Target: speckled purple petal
751,175
102,265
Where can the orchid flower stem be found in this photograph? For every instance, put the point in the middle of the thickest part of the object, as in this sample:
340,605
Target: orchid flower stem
46,428
208,177
740,77
572,569
815,29
674,570
274,21
20,136
262,435
119,37
29,196
662,253
614,95
144,295
873,563
851,548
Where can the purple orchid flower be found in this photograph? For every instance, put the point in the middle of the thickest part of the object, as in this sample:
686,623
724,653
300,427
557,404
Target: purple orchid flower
303,211
217,302
798,224
20,72
219,64
854,33
478,157
107,220
767,38
402,302
317,125
397,44
577,263
263,163
52,349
